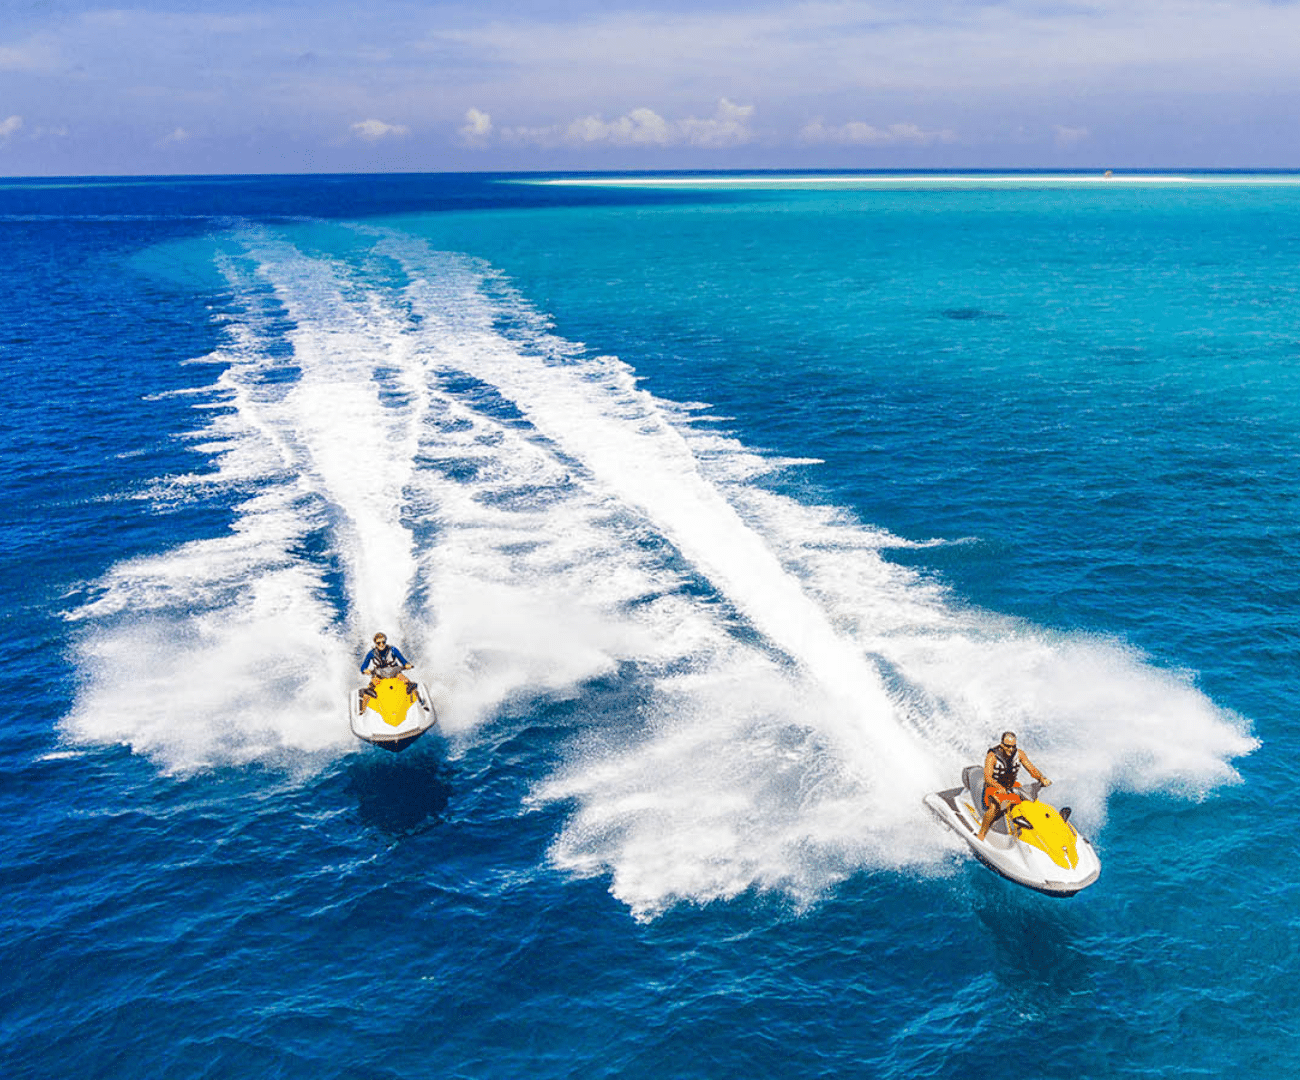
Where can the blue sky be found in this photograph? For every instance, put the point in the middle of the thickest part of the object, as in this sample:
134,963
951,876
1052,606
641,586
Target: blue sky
178,86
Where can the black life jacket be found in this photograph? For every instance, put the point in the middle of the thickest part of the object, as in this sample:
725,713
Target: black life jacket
383,657
1005,768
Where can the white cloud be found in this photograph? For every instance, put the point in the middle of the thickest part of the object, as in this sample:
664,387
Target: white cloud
477,127
857,133
373,130
1070,136
729,126
34,55
179,135
640,127
8,127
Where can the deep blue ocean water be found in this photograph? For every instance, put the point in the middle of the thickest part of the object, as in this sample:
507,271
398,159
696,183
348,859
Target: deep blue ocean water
723,522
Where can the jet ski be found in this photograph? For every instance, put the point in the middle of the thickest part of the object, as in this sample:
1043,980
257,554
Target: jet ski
393,717
1032,843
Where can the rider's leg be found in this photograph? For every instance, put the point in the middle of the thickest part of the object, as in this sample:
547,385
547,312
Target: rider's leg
990,816
993,807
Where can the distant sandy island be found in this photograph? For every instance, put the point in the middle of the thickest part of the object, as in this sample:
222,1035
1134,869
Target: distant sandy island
879,179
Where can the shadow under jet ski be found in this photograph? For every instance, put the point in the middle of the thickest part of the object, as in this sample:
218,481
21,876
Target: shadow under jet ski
400,796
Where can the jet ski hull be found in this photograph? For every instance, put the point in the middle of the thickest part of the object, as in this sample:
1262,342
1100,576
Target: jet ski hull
1049,856
393,718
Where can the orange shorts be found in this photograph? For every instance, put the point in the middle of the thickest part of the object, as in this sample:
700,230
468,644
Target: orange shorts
1000,797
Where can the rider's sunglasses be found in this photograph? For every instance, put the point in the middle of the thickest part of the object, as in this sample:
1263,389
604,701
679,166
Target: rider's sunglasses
1008,746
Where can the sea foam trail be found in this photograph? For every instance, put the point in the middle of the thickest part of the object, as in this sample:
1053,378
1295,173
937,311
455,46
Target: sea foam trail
211,651
344,459
528,518
359,451
227,649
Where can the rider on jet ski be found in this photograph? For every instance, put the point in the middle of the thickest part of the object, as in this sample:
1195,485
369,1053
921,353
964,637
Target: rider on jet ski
386,662
1001,764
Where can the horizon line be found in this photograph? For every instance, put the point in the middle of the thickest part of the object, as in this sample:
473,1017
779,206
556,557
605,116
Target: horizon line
704,175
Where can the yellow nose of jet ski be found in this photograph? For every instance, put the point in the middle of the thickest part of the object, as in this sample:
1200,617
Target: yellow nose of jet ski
393,716
1042,826
392,699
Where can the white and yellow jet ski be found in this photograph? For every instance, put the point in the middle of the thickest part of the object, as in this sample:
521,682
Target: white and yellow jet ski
393,717
1032,844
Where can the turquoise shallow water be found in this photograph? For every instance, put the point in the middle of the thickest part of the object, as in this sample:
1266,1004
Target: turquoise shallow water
723,524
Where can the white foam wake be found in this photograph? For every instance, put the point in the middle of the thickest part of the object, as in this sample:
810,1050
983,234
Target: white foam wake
347,462
215,651
526,518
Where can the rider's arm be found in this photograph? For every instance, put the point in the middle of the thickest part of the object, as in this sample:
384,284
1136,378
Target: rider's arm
1024,760
990,760
366,662
397,653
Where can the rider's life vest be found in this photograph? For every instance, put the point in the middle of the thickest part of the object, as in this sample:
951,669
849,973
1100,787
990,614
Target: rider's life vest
1005,767
384,658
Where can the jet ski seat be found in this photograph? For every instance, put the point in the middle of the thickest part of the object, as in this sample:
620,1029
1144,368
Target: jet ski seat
972,778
